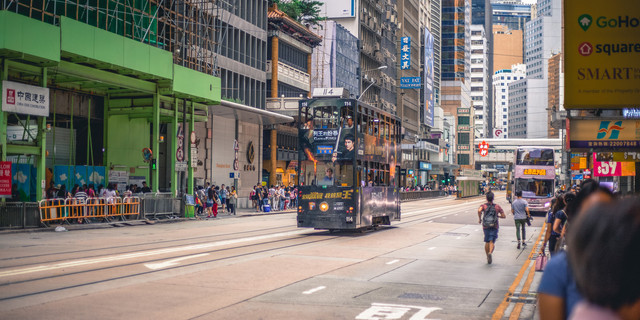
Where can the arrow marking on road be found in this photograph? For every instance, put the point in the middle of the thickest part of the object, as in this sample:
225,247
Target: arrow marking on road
393,261
314,290
172,262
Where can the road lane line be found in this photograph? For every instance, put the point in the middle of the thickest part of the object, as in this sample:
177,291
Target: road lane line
431,248
393,261
314,290
498,314
84,262
172,262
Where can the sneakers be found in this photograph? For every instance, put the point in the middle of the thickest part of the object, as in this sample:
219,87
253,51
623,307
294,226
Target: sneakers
518,244
489,260
523,244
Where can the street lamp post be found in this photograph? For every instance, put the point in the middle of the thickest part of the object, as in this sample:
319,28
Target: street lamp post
372,82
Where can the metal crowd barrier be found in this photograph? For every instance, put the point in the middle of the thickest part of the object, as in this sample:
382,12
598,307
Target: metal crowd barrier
19,215
418,195
160,204
63,210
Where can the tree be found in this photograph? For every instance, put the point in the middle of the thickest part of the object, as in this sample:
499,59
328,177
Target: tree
307,12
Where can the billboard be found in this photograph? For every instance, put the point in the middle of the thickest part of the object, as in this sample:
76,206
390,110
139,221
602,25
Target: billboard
608,134
428,78
338,9
602,69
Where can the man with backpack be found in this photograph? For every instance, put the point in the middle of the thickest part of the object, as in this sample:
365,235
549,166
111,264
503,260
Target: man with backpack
488,215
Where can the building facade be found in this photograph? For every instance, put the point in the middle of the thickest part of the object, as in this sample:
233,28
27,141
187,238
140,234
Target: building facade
456,76
512,14
524,95
501,94
479,80
556,95
289,67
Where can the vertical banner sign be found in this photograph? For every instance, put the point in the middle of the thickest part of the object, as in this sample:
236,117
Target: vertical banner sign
429,108
25,99
5,179
602,46
405,53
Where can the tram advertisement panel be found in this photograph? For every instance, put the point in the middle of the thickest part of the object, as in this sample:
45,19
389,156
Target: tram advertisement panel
328,199
328,144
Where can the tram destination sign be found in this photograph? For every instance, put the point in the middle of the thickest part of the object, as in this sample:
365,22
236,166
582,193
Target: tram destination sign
25,99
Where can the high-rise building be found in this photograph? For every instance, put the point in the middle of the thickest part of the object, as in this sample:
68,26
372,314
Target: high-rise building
375,25
511,13
507,47
542,40
526,95
334,63
556,94
501,81
456,75
479,79
436,31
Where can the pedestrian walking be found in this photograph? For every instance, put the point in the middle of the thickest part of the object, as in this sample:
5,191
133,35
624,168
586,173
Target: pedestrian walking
488,215
521,215
233,200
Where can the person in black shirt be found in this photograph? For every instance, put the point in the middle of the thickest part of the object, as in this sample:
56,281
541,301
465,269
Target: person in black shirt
145,188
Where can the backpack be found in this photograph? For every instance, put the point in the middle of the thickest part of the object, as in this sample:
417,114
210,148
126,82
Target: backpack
490,217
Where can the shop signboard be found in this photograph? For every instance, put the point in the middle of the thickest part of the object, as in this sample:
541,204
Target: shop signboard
405,53
601,57
5,179
605,134
410,83
618,156
25,99
612,168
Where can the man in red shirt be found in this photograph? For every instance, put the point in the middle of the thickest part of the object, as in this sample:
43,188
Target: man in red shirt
488,215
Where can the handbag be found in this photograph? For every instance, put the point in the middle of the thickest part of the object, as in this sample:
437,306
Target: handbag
541,262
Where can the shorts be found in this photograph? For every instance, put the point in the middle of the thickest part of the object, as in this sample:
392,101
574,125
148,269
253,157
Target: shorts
490,234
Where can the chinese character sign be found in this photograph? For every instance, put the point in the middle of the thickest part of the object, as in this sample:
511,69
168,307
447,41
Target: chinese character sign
25,99
5,179
405,53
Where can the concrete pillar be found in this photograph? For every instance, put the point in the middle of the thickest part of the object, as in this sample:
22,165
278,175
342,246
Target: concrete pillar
4,74
42,147
274,156
190,167
174,149
274,67
155,174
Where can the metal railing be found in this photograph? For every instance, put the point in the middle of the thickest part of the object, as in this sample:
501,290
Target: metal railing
87,210
418,195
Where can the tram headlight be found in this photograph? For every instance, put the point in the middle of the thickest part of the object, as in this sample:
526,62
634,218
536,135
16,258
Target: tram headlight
324,207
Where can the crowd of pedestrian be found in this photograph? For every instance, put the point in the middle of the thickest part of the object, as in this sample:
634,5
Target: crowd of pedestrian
92,191
212,199
275,198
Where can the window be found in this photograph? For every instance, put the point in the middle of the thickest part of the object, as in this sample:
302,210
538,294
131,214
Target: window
463,159
463,120
463,138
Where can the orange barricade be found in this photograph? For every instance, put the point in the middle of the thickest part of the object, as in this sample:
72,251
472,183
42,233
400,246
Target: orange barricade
63,210
75,208
96,208
131,207
52,210
114,207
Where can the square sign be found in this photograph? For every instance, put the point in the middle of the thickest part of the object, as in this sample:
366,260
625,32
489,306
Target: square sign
405,53
602,51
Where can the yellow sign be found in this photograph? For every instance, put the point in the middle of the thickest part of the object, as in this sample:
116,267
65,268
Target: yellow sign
628,169
602,53
618,156
535,172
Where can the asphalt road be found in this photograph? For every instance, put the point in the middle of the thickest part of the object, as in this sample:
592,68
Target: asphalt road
430,265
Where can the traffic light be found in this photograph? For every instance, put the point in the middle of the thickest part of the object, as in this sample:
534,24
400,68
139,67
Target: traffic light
153,164
442,181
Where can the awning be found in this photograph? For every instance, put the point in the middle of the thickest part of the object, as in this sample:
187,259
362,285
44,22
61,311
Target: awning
232,110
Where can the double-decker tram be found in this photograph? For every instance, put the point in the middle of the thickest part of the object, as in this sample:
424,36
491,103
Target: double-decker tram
535,175
348,167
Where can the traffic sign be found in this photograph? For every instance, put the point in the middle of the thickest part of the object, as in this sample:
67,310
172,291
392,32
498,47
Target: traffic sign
602,46
484,148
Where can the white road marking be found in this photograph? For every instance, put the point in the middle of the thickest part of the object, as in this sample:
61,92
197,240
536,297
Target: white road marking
75,263
432,248
458,238
393,261
172,262
314,290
